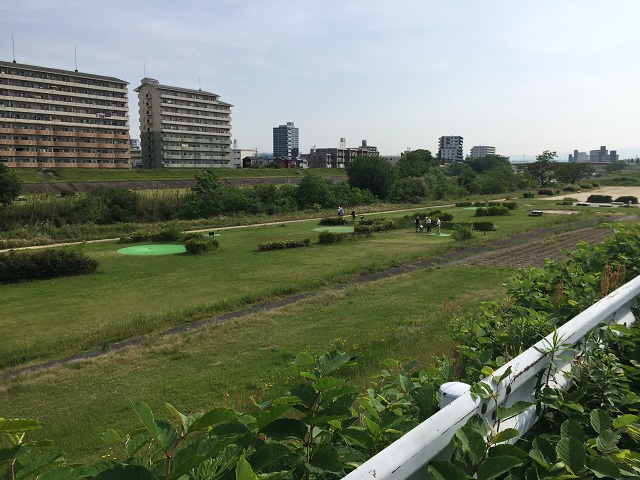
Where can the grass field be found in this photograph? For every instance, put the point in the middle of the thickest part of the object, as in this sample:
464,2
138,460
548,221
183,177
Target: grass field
27,175
131,295
225,364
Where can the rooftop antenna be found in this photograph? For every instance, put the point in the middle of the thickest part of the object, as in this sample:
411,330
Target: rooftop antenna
144,69
75,54
199,85
13,45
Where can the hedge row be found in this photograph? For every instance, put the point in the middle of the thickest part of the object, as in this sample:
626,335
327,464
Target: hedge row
596,198
333,237
484,226
333,221
43,264
200,245
376,226
282,244
493,211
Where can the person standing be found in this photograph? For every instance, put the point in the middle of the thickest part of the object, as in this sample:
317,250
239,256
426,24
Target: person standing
353,215
417,223
438,223
428,223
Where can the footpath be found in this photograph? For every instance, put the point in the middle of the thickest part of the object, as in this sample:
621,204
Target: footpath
538,245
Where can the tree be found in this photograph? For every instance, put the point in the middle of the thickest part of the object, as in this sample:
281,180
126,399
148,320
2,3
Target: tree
542,169
415,163
315,190
10,186
371,173
488,162
615,167
573,172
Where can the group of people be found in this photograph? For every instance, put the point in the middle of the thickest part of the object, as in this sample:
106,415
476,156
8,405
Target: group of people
420,227
341,214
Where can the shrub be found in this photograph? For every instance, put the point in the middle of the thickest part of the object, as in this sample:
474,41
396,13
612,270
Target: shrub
571,188
171,234
479,204
485,226
362,230
510,205
545,191
332,237
138,236
463,231
528,195
595,184
43,264
599,198
493,211
380,224
567,201
283,244
586,186
463,204
332,221
198,246
627,199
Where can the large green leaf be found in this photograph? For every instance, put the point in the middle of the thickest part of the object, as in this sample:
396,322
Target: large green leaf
493,467
111,436
136,442
272,414
624,420
244,470
8,454
167,434
212,417
572,453
284,428
607,442
325,460
145,414
546,449
303,359
126,472
513,410
34,467
539,457
508,450
18,425
329,362
357,436
268,454
506,434
325,383
445,471
571,428
179,416
63,473
471,440
600,421
603,467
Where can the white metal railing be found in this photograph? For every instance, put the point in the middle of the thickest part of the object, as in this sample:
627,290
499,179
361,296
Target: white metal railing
407,458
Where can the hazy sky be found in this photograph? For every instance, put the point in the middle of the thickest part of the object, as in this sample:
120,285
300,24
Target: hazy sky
521,75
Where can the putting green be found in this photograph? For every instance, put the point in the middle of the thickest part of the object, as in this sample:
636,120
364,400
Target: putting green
162,249
440,235
470,208
336,229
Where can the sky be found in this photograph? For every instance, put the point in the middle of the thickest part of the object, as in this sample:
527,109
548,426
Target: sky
523,76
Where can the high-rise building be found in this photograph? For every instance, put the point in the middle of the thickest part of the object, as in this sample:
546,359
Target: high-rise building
482,151
603,156
578,157
450,149
52,118
286,142
183,128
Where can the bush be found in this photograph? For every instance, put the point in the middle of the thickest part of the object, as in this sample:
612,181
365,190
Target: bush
599,198
571,188
545,191
528,195
586,186
493,211
510,205
139,236
567,201
463,231
43,264
479,204
484,226
198,246
595,184
283,244
380,224
332,221
463,204
332,237
627,199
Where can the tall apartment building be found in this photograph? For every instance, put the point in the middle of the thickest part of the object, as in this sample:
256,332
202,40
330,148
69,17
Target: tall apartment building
286,141
52,118
603,156
578,157
482,151
450,149
338,157
183,128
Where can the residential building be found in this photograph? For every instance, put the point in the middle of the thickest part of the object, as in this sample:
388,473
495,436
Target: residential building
255,162
237,154
136,153
286,141
51,118
482,151
578,157
338,157
603,156
450,149
183,128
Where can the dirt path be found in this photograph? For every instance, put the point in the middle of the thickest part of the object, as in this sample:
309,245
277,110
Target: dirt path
519,251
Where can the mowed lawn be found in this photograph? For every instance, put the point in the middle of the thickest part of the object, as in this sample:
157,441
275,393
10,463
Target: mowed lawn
131,295
404,317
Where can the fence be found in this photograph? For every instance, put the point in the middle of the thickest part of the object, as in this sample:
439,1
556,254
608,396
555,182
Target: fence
408,457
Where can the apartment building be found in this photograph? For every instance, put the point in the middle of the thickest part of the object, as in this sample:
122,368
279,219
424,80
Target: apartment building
286,141
603,155
481,151
338,157
450,149
183,128
52,118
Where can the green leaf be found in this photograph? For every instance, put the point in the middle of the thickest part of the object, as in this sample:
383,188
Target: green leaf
390,363
63,473
18,425
571,428
405,383
244,470
111,436
212,417
513,410
539,457
167,434
145,414
504,375
607,442
471,440
603,467
179,416
285,428
126,472
8,454
624,420
135,443
493,467
331,361
268,454
623,329
572,453
358,437
487,370
445,471
272,414
600,421
303,359
325,383
546,449
506,434
326,459
508,450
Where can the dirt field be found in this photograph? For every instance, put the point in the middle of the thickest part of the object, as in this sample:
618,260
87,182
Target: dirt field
615,192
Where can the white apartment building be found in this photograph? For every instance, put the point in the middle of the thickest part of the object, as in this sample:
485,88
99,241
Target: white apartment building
183,128
450,149
482,151
52,118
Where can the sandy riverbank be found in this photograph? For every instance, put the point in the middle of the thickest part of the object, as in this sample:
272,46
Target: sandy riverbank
615,192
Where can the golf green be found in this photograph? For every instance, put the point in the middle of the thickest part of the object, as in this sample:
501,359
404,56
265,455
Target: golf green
336,229
162,249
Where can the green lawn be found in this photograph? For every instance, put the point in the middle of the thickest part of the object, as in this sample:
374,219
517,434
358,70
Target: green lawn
225,364
28,175
131,295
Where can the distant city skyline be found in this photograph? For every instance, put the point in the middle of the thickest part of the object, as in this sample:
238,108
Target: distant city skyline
522,76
